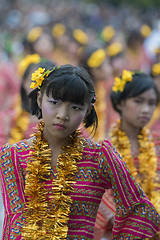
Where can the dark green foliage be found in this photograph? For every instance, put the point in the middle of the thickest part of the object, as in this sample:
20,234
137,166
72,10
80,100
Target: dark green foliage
145,4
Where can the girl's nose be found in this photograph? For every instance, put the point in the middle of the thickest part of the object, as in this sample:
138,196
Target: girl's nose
146,108
63,113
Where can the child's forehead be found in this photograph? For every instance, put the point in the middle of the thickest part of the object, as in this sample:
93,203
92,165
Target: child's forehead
50,97
56,95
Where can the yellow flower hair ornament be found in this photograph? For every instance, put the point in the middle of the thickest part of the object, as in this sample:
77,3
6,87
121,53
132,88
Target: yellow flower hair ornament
120,83
80,36
39,75
96,58
157,50
156,69
34,34
108,33
114,49
58,30
33,58
145,30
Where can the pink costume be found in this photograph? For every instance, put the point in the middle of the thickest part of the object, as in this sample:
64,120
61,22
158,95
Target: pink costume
106,211
100,168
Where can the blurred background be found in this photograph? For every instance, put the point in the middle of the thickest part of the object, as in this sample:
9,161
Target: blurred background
127,33
17,17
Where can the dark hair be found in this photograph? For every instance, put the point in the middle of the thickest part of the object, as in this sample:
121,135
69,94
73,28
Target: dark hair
134,37
44,63
140,83
68,83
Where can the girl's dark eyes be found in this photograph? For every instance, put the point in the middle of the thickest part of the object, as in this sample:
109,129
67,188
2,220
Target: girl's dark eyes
151,103
54,102
76,108
58,103
138,101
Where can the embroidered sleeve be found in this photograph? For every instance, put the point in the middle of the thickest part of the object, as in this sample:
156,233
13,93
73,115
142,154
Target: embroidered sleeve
135,214
11,187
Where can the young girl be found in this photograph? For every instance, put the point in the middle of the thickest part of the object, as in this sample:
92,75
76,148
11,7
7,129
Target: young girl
134,97
52,183
96,62
154,124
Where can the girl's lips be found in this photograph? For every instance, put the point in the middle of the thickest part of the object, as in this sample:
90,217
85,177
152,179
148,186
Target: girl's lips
59,126
144,119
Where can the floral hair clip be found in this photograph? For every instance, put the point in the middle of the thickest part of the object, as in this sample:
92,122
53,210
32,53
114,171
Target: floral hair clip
156,69
120,83
39,75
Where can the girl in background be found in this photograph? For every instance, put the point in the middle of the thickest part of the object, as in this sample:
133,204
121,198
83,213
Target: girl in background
134,97
24,122
96,62
154,124
53,182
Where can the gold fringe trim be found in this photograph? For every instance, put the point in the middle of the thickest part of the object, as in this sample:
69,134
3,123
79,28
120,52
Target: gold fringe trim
48,219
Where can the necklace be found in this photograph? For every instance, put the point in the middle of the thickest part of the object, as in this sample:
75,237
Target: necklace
47,219
146,174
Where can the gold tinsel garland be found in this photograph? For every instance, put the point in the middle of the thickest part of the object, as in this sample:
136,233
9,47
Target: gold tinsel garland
146,175
48,219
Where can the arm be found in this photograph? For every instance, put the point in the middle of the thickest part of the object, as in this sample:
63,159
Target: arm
136,217
11,185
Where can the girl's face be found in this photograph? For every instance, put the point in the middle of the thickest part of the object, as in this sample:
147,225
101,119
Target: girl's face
102,72
137,111
61,118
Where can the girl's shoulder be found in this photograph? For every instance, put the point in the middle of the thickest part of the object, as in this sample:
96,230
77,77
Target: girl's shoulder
89,143
21,146
99,146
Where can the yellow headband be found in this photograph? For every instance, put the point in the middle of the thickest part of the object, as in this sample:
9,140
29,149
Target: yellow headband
96,58
119,83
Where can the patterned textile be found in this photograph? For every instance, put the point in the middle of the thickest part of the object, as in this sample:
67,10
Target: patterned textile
103,225
100,168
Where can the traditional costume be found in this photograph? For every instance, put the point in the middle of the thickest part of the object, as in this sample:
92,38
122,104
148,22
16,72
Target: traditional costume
42,202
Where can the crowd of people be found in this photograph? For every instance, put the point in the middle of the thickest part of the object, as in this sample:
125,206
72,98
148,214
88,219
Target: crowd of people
116,108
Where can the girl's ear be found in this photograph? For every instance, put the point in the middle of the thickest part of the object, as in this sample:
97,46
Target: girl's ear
39,99
120,105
